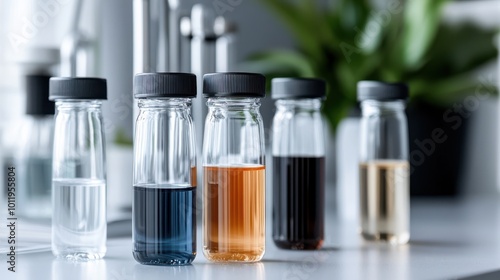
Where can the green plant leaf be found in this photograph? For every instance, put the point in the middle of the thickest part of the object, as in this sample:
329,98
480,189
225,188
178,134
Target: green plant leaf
122,139
458,49
297,21
450,90
421,23
437,60
275,61
351,14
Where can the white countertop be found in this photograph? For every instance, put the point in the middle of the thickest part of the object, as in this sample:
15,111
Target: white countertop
450,239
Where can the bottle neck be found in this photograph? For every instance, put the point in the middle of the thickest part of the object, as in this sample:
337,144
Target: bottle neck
301,104
78,104
165,103
372,107
236,103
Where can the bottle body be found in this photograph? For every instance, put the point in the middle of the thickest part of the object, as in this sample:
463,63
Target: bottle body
35,167
384,172
298,174
79,181
234,181
164,213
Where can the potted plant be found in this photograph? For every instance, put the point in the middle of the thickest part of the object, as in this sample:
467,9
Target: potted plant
346,41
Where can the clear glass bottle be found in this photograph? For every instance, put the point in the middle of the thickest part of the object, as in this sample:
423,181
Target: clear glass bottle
35,153
384,166
164,208
234,168
298,151
79,170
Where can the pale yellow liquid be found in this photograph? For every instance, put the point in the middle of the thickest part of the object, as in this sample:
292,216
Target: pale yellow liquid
234,213
385,201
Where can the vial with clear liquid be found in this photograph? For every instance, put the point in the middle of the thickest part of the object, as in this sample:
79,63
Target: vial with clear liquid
384,167
78,169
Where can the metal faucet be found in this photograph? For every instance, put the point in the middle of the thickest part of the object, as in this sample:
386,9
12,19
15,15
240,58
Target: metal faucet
200,43
77,50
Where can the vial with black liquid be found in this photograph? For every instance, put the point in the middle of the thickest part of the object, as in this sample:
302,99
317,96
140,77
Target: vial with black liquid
298,151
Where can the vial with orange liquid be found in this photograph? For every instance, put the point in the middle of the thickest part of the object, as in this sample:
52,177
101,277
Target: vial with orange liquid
234,168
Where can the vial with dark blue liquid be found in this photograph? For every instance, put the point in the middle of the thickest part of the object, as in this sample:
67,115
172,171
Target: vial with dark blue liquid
164,214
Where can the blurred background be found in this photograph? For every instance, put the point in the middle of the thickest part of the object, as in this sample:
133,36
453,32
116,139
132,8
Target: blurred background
445,50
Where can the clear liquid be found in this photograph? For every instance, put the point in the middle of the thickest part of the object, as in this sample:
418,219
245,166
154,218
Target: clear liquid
385,201
79,219
35,187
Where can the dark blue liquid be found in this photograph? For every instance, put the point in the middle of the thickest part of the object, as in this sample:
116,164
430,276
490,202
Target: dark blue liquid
164,225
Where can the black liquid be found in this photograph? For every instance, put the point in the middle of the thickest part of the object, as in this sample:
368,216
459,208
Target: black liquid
164,225
298,202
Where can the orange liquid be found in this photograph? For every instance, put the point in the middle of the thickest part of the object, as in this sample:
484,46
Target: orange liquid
234,215
193,176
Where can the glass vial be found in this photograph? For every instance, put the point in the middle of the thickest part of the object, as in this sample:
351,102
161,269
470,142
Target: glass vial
384,166
35,153
79,170
298,151
164,213
234,168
